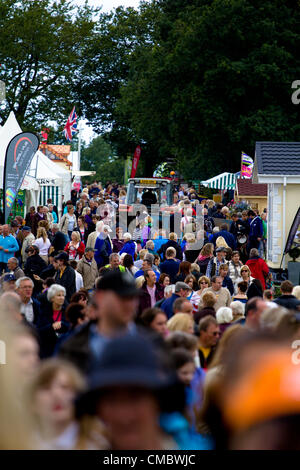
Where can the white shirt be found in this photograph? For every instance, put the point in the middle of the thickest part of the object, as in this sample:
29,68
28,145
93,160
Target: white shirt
78,281
43,246
27,311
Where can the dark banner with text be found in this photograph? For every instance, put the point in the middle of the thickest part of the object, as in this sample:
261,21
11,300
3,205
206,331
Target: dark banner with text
19,154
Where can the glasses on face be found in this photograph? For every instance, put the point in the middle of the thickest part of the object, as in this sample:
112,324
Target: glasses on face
244,272
203,282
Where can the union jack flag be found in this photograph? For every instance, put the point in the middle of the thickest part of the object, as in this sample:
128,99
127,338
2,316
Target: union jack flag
70,128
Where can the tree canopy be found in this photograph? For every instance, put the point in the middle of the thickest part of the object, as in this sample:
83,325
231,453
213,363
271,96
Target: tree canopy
197,80
98,156
41,47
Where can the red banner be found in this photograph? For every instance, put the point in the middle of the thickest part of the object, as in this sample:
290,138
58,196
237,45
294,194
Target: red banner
135,161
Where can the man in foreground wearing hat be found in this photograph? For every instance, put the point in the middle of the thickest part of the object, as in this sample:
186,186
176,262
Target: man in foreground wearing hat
116,301
134,391
181,290
126,392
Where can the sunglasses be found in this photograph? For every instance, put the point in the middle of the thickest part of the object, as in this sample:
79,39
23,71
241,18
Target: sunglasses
203,282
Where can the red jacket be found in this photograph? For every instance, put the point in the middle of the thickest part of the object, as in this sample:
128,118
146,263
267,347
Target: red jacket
259,270
80,250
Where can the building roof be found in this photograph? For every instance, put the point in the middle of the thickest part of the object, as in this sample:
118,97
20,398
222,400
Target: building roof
61,152
278,158
245,187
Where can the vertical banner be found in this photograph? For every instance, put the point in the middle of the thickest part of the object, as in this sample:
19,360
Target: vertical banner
293,232
19,154
136,158
247,166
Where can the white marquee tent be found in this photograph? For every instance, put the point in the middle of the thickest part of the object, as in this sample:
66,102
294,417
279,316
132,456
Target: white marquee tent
45,179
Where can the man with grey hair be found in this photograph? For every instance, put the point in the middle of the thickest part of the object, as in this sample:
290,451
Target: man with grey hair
14,268
115,262
181,290
88,269
29,307
150,247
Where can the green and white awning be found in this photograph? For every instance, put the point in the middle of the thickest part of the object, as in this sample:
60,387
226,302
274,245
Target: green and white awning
222,181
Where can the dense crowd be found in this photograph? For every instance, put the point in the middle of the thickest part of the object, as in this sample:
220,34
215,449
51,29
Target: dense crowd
145,338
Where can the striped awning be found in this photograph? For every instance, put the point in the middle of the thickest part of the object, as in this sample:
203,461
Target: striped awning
222,181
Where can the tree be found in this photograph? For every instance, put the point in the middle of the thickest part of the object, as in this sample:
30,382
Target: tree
41,47
218,81
106,66
99,156
198,80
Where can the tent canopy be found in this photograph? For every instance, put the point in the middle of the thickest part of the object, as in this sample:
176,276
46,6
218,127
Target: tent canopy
9,130
222,181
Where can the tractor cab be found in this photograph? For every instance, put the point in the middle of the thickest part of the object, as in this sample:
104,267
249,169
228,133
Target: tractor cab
150,191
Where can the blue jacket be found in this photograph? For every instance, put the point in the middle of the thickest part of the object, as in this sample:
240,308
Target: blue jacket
129,248
256,229
141,273
227,282
175,425
170,267
8,243
101,254
167,305
228,237
158,242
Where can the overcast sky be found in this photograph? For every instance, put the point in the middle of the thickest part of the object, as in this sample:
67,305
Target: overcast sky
108,5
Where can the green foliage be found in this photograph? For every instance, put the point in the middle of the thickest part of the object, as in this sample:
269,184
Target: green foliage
41,47
98,156
294,253
199,80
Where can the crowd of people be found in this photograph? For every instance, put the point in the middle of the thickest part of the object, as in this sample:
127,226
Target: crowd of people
145,338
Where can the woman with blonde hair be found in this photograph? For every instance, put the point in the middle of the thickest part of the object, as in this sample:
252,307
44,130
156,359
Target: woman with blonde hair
43,243
181,322
75,248
51,397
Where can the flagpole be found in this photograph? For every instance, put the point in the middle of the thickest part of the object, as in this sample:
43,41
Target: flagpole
80,129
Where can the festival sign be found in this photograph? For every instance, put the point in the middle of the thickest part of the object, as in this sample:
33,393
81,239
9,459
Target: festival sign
19,154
